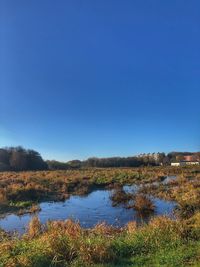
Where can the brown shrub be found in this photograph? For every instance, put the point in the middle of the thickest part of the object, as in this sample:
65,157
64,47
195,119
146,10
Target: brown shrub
119,196
104,229
143,203
34,209
34,227
131,227
61,248
96,249
68,227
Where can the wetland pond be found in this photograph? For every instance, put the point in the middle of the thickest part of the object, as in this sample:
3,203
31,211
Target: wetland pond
88,210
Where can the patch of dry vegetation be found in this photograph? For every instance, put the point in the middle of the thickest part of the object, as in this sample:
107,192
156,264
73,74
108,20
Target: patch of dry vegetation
163,242
37,186
65,243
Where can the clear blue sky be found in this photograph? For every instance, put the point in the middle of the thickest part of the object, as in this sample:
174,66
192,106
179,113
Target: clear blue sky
100,78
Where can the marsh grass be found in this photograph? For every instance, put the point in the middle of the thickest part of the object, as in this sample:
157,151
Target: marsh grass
39,186
119,196
34,227
143,204
161,242
21,204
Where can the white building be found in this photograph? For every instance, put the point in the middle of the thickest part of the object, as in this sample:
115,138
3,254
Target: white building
175,164
192,163
185,163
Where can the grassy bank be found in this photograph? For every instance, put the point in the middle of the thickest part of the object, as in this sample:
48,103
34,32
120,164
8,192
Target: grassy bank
163,242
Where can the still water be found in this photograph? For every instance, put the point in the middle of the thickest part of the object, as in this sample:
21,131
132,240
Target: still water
88,210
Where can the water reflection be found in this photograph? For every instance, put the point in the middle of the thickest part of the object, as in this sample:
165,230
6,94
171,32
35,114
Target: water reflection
88,210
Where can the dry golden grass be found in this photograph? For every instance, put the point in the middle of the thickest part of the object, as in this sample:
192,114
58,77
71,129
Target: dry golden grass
143,203
66,244
131,227
34,227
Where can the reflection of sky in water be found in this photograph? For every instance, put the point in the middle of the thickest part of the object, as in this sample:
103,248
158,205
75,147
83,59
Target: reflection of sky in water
88,210
169,179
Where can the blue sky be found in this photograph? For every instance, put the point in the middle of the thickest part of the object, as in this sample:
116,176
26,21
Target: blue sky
100,78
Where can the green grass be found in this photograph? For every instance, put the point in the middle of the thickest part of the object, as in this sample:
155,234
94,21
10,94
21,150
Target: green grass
163,242
21,204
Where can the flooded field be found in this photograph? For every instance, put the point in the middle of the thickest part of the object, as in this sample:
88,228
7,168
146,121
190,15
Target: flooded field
133,201
88,210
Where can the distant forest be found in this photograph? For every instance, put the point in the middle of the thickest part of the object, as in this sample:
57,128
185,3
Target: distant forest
20,159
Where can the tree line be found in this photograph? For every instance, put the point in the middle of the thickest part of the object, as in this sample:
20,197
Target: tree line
20,159
99,163
135,161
